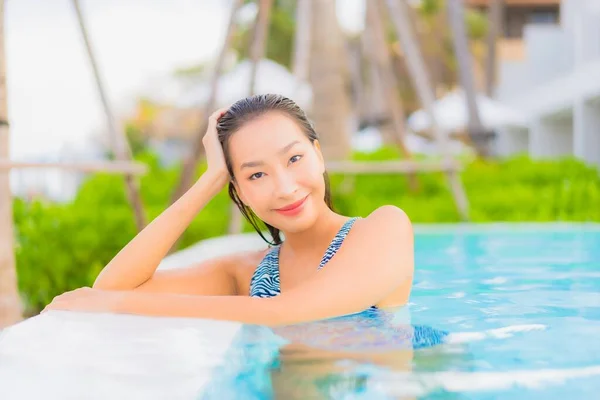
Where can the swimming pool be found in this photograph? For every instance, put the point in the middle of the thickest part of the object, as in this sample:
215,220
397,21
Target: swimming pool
520,305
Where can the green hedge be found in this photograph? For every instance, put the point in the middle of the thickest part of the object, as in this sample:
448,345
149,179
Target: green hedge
64,246
516,189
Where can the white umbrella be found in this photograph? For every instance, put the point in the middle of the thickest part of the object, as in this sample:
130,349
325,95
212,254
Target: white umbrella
452,115
370,139
271,77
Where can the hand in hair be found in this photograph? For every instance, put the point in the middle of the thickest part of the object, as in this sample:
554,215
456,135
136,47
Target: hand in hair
214,151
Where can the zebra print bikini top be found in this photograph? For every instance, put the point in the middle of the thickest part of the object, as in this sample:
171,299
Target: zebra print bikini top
265,280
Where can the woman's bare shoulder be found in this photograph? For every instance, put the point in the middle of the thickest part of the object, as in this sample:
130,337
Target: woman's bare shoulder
242,266
247,259
388,217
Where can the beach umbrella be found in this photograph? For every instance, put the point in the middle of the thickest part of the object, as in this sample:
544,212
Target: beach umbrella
271,78
452,115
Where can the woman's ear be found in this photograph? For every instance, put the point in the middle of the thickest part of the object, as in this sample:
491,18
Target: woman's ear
319,154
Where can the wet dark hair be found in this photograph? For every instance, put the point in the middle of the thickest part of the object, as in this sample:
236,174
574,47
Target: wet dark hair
244,111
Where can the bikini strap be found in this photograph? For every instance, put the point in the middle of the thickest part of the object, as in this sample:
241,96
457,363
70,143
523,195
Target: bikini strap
337,241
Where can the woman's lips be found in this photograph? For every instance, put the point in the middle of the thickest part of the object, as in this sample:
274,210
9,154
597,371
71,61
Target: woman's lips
292,209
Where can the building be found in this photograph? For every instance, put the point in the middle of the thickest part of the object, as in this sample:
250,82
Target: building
557,85
516,15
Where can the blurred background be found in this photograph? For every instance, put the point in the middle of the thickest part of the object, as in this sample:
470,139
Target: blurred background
456,111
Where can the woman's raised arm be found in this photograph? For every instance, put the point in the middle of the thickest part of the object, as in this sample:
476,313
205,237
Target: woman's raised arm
138,260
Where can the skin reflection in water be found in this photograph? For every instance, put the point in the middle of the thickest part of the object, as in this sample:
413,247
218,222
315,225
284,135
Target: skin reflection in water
322,358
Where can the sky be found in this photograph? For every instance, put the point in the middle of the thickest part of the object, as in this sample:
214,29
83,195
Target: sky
53,101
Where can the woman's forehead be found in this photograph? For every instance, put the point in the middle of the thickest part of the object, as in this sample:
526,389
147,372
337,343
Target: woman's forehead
267,132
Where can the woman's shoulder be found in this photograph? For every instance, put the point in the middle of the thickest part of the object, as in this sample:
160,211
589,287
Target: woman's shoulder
387,217
248,259
243,266
383,227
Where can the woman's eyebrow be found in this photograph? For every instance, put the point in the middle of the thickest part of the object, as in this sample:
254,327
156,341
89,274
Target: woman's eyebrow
284,149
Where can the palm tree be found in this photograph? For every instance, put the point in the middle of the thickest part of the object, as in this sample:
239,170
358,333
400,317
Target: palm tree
398,12
328,77
257,52
301,55
378,51
477,133
118,139
10,304
190,163
494,29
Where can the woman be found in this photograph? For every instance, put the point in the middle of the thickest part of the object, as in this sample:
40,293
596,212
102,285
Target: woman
329,264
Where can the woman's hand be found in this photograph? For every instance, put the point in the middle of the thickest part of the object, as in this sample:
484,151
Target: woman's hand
86,299
214,151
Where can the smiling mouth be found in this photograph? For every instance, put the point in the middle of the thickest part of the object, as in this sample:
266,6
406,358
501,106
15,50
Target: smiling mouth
293,206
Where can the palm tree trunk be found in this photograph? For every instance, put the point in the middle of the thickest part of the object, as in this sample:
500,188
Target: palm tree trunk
257,52
259,40
10,303
190,163
398,11
328,77
375,31
456,15
301,56
117,137
495,12
374,107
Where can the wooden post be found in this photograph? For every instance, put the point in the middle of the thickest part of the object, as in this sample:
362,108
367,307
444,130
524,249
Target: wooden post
257,51
119,141
10,302
416,67
190,163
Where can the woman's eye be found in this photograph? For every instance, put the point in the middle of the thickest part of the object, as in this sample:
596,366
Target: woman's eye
295,158
256,176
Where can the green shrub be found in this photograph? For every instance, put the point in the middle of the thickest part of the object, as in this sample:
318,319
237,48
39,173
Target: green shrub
63,246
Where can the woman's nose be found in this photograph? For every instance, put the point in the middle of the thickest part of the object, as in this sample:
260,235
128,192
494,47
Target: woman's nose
285,185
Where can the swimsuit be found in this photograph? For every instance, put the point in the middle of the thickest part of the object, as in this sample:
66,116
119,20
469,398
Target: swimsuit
265,280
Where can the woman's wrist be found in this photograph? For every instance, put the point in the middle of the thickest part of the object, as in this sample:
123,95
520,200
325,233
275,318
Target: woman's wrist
215,181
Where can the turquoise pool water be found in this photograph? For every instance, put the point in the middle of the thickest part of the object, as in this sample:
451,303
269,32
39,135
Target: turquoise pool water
520,304
496,312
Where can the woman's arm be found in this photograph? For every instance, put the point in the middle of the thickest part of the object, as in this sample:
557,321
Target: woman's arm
136,262
375,259
221,276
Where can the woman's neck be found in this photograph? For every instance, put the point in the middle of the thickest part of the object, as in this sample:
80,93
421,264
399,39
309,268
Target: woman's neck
318,235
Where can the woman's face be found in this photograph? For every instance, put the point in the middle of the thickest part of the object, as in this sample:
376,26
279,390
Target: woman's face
278,172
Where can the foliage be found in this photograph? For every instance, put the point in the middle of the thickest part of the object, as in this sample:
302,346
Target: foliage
517,189
280,39
64,246
476,23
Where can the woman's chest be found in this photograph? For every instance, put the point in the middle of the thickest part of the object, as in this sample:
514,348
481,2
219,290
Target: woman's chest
295,272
